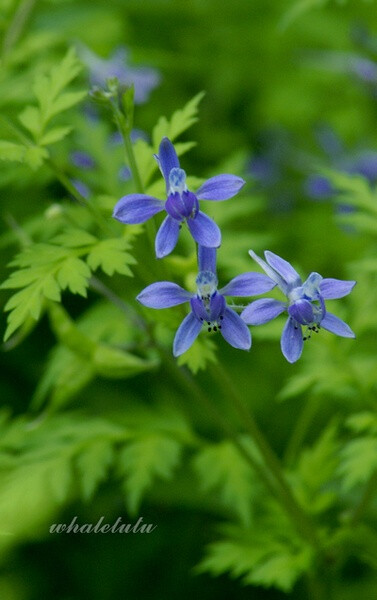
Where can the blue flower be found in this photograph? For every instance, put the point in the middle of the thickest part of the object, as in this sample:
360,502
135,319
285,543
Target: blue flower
181,204
305,304
144,79
208,305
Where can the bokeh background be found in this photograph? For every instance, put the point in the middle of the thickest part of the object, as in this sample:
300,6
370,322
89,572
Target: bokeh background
290,95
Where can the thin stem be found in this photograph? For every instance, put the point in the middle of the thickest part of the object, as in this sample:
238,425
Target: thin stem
302,522
150,226
98,286
17,25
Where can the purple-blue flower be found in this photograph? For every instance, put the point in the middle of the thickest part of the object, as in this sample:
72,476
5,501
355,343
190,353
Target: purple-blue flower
144,79
208,305
305,304
181,204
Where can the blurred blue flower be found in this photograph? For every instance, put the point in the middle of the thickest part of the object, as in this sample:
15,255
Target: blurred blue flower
208,305
305,304
81,187
181,204
144,79
82,160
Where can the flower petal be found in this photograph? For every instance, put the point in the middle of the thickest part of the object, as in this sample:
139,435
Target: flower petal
217,306
337,326
220,187
186,334
291,342
163,294
302,312
167,237
136,208
248,284
262,311
205,231
269,271
207,259
235,331
167,159
283,268
335,288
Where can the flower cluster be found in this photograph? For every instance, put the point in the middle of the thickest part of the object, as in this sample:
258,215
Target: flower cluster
304,304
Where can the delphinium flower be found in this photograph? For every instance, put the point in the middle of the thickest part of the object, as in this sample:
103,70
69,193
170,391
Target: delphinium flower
305,304
208,305
181,205
144,79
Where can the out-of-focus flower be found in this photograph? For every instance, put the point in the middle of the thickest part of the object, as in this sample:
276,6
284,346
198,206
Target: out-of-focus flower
305,304
144,79
208,305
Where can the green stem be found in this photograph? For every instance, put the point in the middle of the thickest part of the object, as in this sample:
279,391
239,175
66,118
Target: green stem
299,518
16,26
150,225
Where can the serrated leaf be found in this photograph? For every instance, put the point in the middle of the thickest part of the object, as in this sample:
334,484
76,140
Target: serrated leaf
260,558
74,238
201,353
180,121
35,156
221,468
65,101
110,255
11,151
93,464
358,462
74,274
54,135
31,120
143,460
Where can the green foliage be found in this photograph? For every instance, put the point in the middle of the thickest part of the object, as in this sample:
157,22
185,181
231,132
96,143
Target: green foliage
261,556
359,456
180,121
46,269
201,353
222,470
144,459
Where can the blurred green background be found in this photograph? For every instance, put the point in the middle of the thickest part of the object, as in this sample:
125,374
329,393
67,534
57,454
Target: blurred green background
291,89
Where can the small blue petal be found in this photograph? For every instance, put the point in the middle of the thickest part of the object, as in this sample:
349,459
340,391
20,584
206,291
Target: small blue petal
235,331
217,307
283,268
269,271
205,231
167,237
207,259
186,334
262,311
248,284
220,187
198,309
167,159
137,208
335,288
163,294
302,312
337,326
291,341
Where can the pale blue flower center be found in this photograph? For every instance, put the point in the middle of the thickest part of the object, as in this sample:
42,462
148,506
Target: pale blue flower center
177,181
310,289
206,283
